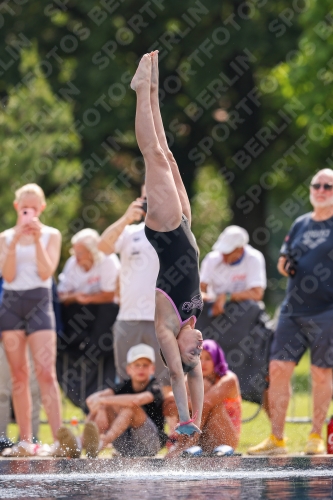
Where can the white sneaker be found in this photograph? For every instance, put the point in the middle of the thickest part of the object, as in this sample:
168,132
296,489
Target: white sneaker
54,450
21,449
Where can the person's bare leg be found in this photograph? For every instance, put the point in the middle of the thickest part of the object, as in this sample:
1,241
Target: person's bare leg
43,349
17,355
164,207
102,419
5,392
35,398
265,403
279,393
126,417
321,395
217,429
158,122
170,413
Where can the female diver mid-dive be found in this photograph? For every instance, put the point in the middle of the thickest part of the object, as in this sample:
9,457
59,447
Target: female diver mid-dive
168,221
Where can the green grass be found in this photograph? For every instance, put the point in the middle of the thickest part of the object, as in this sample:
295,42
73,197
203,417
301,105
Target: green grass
252,432
300,406
258,429
45,435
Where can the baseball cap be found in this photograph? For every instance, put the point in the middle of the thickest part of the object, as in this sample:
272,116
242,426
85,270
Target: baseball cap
231,238
140,351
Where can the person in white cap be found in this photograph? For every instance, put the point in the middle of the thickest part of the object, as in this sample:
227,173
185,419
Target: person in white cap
130,416
233,271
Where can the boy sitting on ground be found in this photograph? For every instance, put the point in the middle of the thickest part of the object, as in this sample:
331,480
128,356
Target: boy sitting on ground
130,416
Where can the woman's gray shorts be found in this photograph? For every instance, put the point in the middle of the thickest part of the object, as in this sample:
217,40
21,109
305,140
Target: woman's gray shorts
29,310
141,442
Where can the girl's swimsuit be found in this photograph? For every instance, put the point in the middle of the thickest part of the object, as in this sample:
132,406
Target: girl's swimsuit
233,407
178,278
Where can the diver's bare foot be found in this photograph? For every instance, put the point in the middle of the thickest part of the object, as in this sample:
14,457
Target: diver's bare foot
143,73
154,70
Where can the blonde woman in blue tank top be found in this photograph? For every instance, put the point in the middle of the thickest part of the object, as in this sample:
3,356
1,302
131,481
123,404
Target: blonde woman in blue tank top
29,256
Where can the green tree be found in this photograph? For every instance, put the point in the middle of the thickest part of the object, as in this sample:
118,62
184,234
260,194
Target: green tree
210,208
222,104
90,50
39,144
308,77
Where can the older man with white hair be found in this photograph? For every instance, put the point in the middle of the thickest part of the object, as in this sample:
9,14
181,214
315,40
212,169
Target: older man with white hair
306,317
89,276
87,289
88,282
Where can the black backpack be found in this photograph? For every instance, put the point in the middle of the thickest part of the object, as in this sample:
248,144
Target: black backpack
244,332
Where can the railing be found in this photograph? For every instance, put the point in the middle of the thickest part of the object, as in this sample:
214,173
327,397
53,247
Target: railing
293,410
65,386
293,405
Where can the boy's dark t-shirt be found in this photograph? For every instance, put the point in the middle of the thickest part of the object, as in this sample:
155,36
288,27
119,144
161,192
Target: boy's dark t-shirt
310,243
154,410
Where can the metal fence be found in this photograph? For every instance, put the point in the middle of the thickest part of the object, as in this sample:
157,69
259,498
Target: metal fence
294,411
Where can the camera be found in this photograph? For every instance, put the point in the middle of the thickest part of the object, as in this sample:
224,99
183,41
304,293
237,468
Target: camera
144,205
26,215
290,265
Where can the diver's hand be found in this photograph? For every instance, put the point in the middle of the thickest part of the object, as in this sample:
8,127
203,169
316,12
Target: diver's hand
188,429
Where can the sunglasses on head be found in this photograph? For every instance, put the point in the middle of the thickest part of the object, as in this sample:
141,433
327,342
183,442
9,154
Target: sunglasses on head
327,187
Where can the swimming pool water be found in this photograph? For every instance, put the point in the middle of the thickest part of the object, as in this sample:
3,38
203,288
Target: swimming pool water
236,478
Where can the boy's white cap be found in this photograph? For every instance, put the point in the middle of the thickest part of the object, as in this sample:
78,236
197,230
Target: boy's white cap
140,351
231,238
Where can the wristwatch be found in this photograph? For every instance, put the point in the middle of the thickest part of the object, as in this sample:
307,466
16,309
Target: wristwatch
227,297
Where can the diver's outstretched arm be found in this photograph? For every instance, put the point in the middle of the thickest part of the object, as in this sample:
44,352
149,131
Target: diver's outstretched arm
196,388
166,327
171,353
170,350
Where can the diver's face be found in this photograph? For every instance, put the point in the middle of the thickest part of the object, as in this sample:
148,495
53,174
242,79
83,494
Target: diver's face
190,345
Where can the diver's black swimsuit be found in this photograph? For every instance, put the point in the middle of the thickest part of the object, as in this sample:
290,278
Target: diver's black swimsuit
178,278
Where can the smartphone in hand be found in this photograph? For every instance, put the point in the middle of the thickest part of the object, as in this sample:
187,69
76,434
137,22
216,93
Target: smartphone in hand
26,215
144,204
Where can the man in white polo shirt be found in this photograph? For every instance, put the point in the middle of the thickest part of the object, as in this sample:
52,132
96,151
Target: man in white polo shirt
138,273
233,271
233,280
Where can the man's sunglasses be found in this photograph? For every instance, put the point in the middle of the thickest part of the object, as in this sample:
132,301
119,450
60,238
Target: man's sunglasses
327,187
